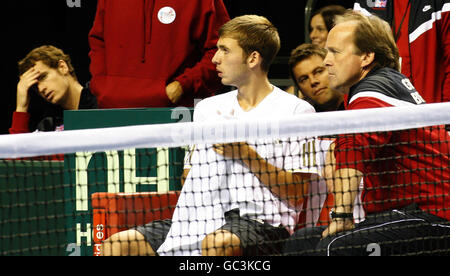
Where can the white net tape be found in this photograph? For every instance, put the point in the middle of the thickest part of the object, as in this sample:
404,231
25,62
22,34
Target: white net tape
188,133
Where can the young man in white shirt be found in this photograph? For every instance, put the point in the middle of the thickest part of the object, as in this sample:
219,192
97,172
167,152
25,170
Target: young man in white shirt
239,198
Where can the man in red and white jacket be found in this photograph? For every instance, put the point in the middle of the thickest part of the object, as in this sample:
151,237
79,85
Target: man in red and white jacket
406,191
149,53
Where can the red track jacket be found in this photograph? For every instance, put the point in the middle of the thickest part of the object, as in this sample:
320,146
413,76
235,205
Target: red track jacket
429,43
399,167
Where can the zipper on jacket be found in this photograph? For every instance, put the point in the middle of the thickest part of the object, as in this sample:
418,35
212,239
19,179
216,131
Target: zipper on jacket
147,9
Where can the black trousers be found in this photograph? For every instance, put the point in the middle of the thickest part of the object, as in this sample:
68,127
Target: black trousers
408,231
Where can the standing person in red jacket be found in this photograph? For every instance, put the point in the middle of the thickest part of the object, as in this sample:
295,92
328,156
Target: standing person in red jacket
421,32
151,53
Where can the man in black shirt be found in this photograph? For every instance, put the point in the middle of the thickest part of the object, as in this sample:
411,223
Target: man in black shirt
311,78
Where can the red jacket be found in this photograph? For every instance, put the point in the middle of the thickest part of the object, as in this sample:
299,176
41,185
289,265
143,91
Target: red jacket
140,46
400,167
429,43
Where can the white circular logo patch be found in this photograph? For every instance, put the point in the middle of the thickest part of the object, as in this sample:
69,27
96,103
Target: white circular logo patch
167,15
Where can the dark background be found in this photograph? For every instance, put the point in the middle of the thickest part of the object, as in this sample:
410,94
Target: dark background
30,24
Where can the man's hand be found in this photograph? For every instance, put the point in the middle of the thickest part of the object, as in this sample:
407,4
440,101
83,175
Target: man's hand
28,79
289,186
345,188
174,91
239,150
338,225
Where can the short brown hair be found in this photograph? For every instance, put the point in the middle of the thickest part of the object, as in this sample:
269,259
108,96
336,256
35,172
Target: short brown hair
302,52
328,14
373,35
254,33
49,55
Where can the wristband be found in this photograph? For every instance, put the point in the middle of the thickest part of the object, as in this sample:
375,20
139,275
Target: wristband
335,215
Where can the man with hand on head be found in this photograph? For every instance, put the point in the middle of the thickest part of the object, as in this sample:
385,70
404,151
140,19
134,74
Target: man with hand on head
48,71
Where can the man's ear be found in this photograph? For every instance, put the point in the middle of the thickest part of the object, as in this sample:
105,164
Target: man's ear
367,59
254,59
62,67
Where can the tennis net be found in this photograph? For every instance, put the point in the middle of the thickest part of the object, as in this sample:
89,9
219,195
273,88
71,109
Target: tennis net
66,193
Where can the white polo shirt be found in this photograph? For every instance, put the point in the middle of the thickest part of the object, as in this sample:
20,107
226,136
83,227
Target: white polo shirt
216,185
